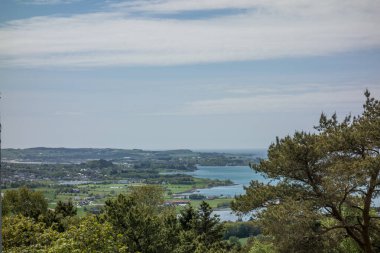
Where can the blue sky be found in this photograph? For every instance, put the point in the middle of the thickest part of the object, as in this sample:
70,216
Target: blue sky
165,74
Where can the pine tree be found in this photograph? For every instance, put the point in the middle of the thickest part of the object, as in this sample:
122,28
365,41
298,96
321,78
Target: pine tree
326,183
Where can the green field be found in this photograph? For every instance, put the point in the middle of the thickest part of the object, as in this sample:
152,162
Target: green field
96,194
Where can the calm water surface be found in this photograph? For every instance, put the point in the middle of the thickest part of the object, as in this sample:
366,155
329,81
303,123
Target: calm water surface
240,175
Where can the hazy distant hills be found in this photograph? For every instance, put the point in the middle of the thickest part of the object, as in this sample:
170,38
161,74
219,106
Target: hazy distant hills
77,155
41,154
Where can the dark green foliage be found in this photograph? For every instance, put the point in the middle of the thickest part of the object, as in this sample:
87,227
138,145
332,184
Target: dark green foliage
98,164
25,202
65,208
201,231
62,216
240,229
208,224
202,222
187,218
197,196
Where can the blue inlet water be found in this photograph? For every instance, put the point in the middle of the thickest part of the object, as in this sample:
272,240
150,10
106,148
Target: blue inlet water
240,175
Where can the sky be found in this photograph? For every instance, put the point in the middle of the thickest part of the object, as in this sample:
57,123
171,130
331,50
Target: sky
169,74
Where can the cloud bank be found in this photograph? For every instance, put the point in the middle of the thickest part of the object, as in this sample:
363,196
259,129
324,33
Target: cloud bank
46,2
130,33
306,97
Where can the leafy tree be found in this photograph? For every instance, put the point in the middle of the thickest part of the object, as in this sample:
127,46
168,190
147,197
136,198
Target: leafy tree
187,218
24,234
326,184
240,229
65,208
62,216
201,231
90,235
234,242
145,224
208,225
150,196
24,201
262,247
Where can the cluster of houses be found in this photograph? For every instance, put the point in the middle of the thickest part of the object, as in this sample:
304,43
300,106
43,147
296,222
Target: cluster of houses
187,196
86,200
176,202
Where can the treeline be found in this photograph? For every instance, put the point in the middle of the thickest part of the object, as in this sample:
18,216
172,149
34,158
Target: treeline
33,175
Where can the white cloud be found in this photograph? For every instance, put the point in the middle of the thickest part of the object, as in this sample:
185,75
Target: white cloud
269,29
293,98
298,7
